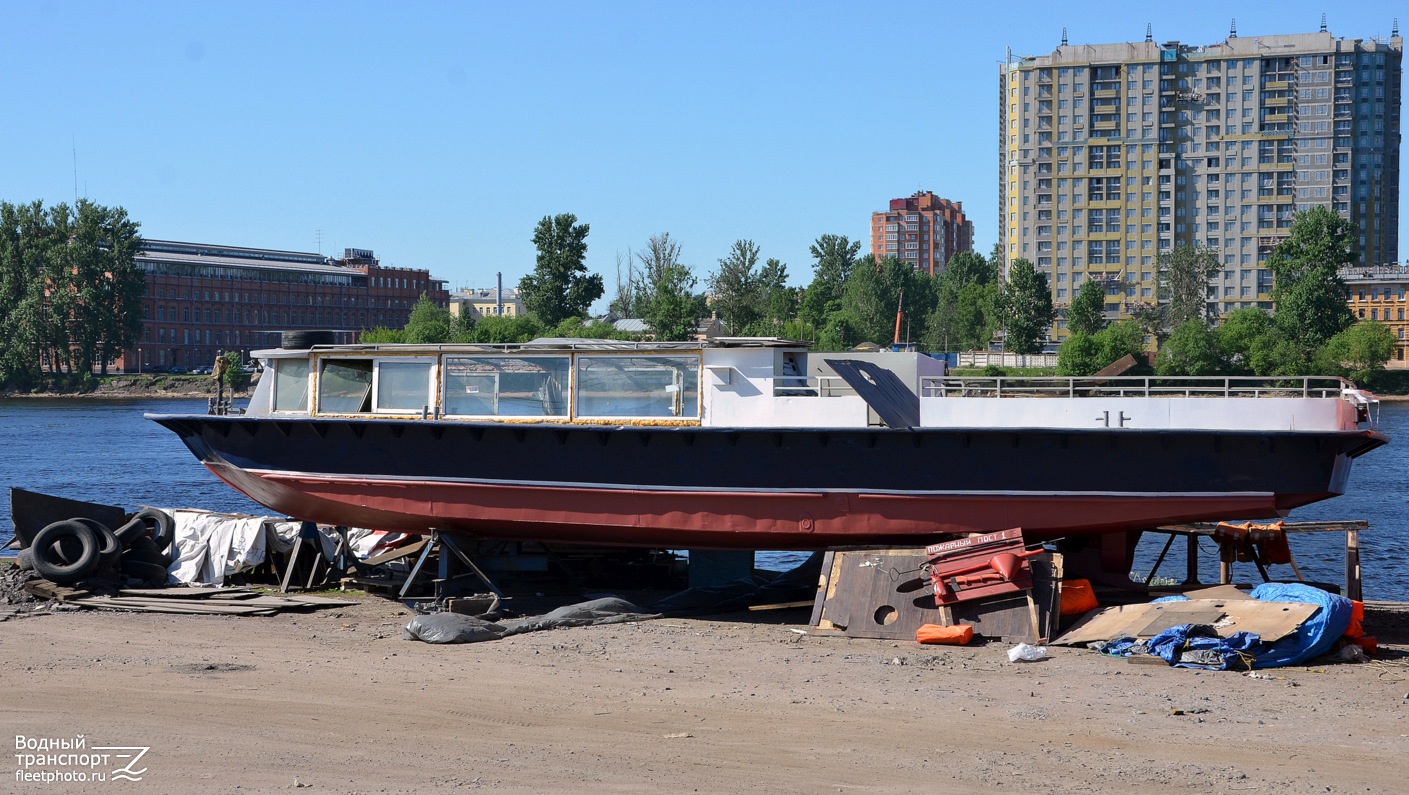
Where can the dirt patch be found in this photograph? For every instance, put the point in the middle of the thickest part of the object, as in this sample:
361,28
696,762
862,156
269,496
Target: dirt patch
336,700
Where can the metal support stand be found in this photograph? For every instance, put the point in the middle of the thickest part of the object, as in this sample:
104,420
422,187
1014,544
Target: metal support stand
341,557
1191,563
1352,565
443,542
1169,542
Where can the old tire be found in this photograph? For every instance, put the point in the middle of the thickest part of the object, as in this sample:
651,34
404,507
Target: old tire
54,558
109,549
150,522
301,340
145,550
142,570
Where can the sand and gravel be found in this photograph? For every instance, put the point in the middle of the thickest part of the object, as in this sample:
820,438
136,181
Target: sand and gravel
336,701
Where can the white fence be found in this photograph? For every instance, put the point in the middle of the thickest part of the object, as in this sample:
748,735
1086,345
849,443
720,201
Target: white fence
1004,359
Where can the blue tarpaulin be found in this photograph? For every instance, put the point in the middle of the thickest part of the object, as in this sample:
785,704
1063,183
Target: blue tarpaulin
1315,636
1198,646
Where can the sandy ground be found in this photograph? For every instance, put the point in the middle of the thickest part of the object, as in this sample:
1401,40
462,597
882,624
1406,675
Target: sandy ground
336,701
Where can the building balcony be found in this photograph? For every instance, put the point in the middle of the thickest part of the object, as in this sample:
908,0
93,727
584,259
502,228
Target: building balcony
1276,102
1276,85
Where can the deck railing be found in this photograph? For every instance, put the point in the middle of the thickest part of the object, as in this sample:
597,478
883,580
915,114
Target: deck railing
1134,386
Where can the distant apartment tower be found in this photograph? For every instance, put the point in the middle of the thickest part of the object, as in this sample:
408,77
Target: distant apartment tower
1111,154
923,230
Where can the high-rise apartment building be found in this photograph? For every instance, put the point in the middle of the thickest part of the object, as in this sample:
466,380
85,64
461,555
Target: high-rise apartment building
1113,153
923,230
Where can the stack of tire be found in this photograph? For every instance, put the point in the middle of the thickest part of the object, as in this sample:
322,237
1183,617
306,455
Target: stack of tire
76,549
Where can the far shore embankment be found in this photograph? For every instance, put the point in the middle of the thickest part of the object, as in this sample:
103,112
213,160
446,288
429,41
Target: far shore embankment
135,385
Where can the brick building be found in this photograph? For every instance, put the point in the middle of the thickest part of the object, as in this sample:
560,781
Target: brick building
923,230
202,299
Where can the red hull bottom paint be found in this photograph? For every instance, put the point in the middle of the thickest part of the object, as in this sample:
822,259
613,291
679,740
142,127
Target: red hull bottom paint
725,520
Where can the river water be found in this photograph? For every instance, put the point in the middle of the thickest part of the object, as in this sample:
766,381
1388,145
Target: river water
104,451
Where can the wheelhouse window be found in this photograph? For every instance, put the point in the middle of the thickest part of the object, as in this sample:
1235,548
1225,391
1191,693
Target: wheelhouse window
404,385
345,386
638,386
506,386
290,385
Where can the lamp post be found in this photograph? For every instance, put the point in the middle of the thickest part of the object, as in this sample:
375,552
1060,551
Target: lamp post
139,361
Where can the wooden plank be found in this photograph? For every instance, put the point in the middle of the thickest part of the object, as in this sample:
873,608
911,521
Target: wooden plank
824,586
49,590
1224,592
1011,617
784,605
320,601
183,592
397,554
170,606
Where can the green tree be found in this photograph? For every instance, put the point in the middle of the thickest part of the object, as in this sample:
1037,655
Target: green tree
1192,349
1085,354
587,328
1086,315
1244,341
560,286
234,376
428,324
667,302
737,290
1310,297
70,290
780,301
1027,308
1184,273
966,267
26,236
835,257
381,336
967,297
506,329
1361,350
877,291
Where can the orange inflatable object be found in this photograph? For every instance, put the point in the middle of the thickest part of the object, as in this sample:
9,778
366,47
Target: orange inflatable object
957,635
1077,597
1357,621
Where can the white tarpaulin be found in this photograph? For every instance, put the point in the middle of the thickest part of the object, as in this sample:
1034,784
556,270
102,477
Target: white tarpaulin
211,546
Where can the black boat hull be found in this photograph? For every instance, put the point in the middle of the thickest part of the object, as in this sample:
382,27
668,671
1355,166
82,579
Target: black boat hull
774,488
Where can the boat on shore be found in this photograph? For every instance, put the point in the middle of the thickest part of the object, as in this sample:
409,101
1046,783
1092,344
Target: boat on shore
753,443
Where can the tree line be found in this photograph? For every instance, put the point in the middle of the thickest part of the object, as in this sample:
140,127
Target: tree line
1313,331
851,299
70,290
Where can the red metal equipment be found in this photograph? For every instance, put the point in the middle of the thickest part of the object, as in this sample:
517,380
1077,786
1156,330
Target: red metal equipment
979,566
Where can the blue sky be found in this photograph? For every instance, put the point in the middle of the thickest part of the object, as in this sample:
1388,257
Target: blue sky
438,134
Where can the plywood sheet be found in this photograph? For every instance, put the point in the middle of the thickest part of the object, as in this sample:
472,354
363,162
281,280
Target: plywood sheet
1270,620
